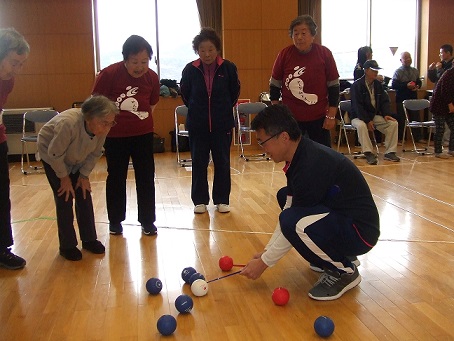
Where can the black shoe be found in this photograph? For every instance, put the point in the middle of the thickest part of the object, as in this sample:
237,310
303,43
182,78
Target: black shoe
149,230
71,253
94,246
115,229
391,157
371,158
10,261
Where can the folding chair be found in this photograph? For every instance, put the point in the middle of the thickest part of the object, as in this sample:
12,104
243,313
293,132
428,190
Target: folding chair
182,113
345,108
248,109
416,105
32,122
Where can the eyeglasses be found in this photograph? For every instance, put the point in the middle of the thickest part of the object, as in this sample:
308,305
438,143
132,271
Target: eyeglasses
261,143
107,123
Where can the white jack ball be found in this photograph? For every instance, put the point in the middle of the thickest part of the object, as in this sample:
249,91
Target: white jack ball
199,287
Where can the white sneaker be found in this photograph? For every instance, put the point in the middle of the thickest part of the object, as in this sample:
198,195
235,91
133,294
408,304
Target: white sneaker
223,208
201,208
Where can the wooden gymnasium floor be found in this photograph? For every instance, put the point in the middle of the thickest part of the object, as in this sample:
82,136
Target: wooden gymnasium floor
406,293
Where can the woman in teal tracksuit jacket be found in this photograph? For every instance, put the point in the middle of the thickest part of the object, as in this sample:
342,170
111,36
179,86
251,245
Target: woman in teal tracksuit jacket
210,88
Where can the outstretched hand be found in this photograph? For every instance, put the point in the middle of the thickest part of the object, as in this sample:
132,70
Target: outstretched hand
254,268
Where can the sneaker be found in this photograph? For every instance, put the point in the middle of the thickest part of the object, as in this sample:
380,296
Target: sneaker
371,158
73,253
115,229
201,208
223,208
10,261
451,152
94,246
352,259
149,230
391,157
442,156
332,284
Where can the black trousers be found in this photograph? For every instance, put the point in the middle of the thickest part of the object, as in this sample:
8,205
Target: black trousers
316,132
6,235
119,151
219,144
65,215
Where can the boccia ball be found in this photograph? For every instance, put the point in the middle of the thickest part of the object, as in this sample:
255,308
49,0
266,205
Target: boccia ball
199,287
187,273
280,296
166,324
195,276
154,286
184,304
324,326
226,263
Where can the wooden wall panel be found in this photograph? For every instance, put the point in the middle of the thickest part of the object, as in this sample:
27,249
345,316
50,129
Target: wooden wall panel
247,51
242,15
69,54
30,91
253,34
60,68
277,15
65,89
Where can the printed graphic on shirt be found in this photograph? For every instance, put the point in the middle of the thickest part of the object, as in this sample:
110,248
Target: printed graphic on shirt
127,102
295,84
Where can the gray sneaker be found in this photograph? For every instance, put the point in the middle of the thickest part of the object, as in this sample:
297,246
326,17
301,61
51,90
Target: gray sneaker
391,157
371,158
352,259
332,284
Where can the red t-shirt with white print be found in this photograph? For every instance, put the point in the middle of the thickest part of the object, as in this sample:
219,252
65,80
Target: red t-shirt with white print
133,96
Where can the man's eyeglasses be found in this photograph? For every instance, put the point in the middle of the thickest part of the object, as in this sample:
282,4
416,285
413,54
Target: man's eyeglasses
261,143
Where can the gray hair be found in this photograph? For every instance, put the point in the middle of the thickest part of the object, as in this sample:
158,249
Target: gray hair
303,19
11,40
98,107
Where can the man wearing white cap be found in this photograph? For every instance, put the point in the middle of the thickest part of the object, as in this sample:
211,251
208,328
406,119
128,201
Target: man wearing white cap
371,110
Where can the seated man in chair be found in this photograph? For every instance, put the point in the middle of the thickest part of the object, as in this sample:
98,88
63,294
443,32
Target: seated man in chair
371,110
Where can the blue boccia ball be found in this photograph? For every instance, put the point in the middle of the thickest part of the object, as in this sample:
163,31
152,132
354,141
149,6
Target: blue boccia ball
187,273
166,324
184,304
154,286
195,276
324,326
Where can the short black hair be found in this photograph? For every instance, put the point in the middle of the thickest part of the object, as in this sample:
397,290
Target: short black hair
446,48
134,45
207,33
276,119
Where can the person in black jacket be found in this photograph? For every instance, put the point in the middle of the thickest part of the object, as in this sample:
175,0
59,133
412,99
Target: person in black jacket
371,111
210,89
436,69
406,82
329,215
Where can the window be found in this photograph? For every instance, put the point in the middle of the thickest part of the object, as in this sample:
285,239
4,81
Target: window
158,21
382,24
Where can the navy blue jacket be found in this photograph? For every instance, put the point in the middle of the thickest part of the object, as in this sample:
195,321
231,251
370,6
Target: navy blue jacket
215,113
362,106
316,170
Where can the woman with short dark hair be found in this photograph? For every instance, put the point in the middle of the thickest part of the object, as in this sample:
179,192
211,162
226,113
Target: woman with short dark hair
135,89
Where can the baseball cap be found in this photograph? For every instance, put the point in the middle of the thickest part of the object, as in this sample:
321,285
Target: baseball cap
371,64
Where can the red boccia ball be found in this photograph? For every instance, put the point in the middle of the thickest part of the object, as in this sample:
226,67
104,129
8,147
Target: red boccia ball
226,263
280,296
